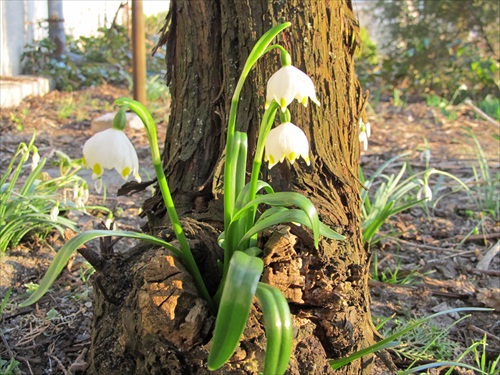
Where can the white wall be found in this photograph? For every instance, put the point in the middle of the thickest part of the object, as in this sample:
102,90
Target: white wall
19,26
23,21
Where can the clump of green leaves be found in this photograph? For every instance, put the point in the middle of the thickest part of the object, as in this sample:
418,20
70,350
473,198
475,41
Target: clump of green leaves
104,59
396,337
426,341
486,190
394,276
32,206
394,193
10,367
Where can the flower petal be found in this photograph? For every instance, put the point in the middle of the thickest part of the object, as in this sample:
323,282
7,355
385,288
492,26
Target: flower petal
111,149
286,141
290,83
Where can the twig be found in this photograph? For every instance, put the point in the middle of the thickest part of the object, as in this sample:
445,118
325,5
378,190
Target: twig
483,332
10,353
486,272
422,246
25,310
434,292
59,364
476,237
27,364
484,263
484,115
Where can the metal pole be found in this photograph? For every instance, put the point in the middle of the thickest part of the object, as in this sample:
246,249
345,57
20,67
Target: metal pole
56,26
138,52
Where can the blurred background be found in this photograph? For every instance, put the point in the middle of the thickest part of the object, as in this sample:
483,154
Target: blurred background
411,50
431,50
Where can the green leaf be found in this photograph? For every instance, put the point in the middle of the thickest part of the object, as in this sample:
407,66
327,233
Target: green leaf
240,150
260,47
279,329
289,216
243,196
287,199
389,341
64,254
236,301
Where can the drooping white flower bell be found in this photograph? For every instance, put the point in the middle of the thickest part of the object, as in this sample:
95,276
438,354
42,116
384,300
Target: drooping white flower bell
425,192
290,83
364,133
35,159
286,141
54,212
112,149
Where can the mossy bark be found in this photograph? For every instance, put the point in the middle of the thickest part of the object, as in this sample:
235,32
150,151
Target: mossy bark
144,329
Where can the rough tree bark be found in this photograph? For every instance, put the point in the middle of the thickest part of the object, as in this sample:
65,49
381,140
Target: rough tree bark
149,318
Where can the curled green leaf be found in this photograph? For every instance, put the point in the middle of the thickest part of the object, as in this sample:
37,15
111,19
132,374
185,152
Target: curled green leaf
286,199
289,216
279,329
63,255
236,300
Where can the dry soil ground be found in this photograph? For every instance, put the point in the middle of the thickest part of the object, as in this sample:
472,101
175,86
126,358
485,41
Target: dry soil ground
446,252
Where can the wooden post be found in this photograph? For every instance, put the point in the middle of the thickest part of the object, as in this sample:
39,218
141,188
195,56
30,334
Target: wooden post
138,52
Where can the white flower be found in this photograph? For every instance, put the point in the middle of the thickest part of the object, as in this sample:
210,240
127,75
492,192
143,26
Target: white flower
111,149
35,159
365,131
463,87
290,83
426,191
80,195
286,141
54,212
363,139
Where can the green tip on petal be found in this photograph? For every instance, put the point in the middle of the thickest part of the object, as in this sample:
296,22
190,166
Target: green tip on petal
283,104
97,170
125,172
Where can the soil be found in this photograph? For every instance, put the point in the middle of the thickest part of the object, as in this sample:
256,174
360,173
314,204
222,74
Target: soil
428,259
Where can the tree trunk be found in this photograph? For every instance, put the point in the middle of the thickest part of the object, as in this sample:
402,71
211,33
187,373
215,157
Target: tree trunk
149,318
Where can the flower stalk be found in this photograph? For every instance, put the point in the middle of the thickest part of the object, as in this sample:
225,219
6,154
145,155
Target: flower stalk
186,253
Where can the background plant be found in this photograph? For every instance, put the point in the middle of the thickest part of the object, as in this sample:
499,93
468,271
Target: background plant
37,204
394,193
106,57
486,185
431,47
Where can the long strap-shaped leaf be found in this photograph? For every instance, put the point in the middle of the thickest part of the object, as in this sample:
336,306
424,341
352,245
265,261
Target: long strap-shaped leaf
390,341
287,199
279,332
236,301
290,216
73,244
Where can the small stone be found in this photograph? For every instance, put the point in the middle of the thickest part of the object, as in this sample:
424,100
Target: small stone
106,121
